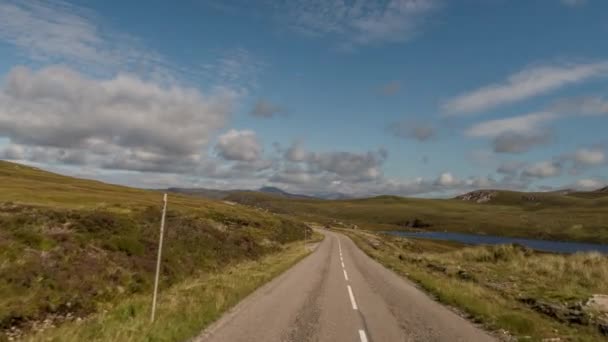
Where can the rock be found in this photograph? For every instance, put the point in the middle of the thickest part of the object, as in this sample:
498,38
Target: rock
598,302
435,267
462,274
603,327
479,196
567,314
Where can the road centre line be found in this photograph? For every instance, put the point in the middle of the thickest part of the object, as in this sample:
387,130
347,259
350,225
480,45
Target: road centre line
352,298
345,275
362,335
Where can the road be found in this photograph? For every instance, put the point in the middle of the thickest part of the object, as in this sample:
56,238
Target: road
340,294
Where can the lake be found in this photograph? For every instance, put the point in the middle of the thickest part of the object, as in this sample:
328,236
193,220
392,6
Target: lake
540,245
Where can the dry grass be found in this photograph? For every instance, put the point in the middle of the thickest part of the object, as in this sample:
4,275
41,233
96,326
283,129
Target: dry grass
183,310
548,216
501,287
73,248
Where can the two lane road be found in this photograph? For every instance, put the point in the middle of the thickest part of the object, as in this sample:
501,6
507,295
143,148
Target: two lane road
340,294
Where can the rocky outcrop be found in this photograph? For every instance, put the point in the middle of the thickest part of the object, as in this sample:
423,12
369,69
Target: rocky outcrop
479,196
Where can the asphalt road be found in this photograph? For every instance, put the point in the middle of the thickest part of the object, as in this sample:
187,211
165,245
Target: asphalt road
339,294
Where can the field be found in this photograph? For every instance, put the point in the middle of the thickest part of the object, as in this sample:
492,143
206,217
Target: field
71,249
552,216
517,293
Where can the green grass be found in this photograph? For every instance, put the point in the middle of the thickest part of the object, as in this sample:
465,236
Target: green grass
183,310
498,286
532,215
74,247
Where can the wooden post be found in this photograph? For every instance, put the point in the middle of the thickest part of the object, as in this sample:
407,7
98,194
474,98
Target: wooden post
160,251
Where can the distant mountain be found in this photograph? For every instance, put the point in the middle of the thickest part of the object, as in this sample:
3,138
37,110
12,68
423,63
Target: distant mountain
268,190
563,196
332,196
279,192
201,192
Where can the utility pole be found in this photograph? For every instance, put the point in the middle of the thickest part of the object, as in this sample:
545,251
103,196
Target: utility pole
160,250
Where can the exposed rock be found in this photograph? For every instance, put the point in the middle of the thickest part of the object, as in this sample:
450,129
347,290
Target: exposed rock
478,196
573,313
435,267
598,302
530,198
462,274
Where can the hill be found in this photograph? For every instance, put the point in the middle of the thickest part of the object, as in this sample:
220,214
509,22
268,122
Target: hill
223,194
508,213
558,197
70,247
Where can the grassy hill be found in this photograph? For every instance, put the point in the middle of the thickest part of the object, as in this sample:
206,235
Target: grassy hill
72,247
536,215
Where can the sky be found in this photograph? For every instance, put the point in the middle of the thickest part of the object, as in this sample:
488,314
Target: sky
426,98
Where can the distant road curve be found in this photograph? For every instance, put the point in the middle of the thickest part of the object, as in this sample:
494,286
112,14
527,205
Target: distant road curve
340,294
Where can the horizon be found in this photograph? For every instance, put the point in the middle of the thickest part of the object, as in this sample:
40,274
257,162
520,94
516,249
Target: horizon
414,98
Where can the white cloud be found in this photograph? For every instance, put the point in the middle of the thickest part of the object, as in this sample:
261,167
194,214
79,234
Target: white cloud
542,169
524,124
123,122
239,145
516,134
524,84
59,32
589,157
296,153
589,184
447,179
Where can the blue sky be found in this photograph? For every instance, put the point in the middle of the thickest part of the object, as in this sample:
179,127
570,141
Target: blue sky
407,97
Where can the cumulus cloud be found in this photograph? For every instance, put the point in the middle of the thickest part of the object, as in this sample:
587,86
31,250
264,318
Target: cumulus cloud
589,157
524,124
340,171
544,169
296,153
447,179
524,84
239,145
412,130
517,134
265,109
121,122
589,184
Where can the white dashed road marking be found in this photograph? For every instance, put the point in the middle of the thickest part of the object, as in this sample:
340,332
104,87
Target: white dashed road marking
353,302
352,298
362,335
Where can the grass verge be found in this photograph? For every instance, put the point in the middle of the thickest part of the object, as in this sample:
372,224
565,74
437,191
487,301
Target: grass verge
183,310
517,293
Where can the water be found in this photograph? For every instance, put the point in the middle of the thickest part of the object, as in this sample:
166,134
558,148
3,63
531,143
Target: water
541,245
